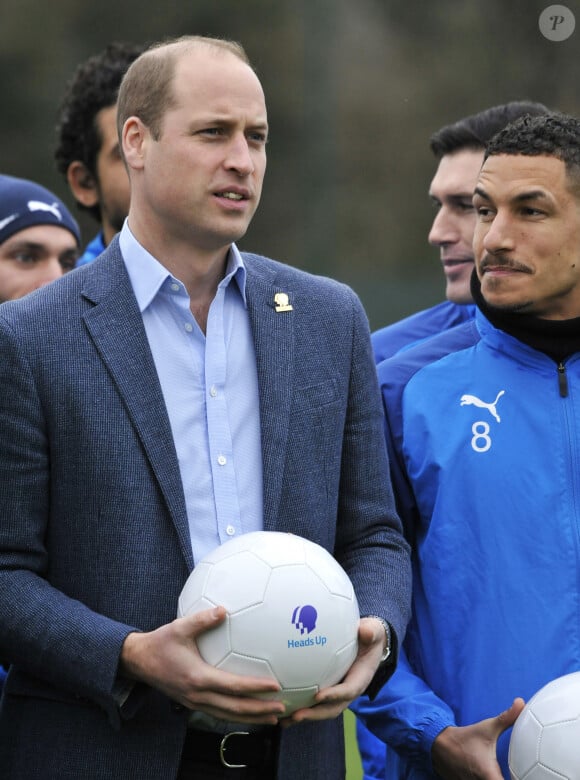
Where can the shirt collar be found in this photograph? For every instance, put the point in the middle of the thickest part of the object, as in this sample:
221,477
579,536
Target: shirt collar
148,275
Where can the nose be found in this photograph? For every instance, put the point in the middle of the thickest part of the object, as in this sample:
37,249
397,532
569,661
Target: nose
498,234
444,229
239,156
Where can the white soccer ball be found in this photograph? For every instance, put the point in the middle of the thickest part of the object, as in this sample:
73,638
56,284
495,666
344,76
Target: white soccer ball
292,613
545,740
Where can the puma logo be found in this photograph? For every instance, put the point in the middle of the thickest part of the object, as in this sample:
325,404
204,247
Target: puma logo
467,400
52,208
7,221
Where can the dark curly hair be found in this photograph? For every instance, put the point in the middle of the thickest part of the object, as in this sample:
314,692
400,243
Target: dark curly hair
94,86
556,135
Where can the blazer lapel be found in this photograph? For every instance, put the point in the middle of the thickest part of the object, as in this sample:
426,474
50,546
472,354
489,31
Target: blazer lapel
116,328
274,342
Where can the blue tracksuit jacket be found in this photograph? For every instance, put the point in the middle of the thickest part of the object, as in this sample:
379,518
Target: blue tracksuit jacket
484,439
422,325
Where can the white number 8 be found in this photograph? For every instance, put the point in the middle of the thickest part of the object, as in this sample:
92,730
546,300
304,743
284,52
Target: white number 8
481,440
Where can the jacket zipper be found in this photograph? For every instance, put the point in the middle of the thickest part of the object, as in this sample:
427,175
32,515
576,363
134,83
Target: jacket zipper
562,380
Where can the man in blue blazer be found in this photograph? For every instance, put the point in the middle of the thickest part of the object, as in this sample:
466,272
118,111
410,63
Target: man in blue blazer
166,397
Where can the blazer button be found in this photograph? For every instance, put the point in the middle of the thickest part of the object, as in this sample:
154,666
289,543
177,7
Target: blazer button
177,707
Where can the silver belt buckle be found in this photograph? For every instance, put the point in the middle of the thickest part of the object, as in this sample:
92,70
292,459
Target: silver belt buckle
223,748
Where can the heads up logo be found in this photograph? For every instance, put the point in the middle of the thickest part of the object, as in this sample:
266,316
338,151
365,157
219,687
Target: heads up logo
304,620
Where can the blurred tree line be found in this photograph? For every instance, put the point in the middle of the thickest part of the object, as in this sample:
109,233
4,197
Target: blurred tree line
354,90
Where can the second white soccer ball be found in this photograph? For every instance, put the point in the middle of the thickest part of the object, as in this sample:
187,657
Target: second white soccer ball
545,740
292,613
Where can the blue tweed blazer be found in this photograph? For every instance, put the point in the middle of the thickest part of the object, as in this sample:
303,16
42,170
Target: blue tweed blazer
94,539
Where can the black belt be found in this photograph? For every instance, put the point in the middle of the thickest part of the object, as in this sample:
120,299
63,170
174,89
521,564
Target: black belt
235,750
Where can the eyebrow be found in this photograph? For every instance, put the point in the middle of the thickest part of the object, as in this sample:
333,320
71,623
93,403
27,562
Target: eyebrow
481,193
531,195
35,246
226,119
27,245
523,197
454,197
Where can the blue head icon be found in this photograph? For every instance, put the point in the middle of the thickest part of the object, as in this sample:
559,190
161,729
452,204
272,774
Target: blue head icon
304,618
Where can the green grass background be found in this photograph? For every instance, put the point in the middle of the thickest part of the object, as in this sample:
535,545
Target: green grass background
353,763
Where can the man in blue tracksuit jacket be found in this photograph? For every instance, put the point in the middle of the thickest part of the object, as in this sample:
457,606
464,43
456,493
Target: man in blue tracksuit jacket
459,149
483,427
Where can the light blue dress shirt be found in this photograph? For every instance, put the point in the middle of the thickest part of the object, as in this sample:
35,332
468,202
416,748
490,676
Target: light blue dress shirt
210,387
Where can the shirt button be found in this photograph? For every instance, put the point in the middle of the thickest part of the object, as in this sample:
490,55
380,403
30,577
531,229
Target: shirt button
188,327
175,287
222,460
230,530
213,391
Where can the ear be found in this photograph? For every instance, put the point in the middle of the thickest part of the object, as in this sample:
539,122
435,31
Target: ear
82,183
134,139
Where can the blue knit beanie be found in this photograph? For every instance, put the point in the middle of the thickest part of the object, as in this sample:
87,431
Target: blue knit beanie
24,203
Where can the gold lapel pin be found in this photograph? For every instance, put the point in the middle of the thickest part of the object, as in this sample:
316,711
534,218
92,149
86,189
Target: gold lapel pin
281,301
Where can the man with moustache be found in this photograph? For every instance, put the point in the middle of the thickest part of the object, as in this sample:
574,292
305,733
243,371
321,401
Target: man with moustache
169,395
483,434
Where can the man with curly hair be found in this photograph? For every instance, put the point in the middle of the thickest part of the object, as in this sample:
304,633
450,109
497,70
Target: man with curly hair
87,150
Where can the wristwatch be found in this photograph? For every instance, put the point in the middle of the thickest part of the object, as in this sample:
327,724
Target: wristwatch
387,651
